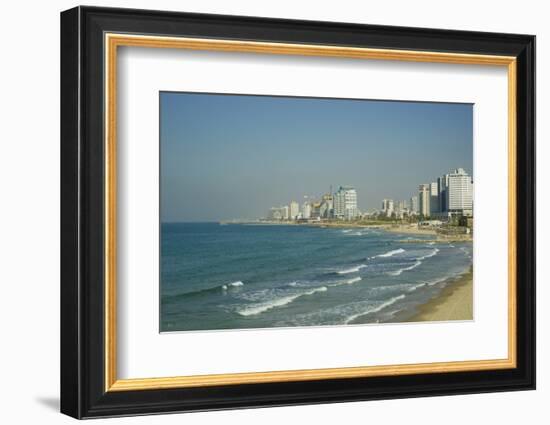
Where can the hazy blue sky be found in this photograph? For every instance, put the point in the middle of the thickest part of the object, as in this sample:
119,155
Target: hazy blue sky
231,156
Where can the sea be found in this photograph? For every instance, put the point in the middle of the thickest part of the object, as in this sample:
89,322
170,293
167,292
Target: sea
245,276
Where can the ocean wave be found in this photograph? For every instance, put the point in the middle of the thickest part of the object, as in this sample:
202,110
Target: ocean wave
431,254
348,281
374,309
346,230
415,287
404,269
232,285
390,253
278,302
352,269
353,280
204,292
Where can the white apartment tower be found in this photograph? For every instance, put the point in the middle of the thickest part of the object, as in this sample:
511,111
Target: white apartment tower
459,196
294,210
424,195
306,210
345,203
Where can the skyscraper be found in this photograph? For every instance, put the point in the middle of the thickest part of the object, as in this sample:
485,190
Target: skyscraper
387,207
345,203
434,198
459,193
443,184
424,195
294,210
306,210
414,204
327,205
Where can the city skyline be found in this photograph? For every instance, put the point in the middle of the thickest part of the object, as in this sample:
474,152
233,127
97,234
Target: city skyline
229,156
451,195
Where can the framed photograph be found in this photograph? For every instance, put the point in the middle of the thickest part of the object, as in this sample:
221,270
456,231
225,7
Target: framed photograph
261,212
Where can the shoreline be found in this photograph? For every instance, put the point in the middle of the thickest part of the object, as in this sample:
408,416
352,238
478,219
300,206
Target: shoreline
454,302
406,229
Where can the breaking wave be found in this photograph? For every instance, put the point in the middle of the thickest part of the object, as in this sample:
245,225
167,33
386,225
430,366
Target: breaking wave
375,309
278,302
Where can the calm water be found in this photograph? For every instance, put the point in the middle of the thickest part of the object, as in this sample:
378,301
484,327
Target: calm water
252,276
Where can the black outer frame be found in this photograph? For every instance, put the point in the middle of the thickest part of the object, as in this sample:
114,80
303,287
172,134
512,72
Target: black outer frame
82,219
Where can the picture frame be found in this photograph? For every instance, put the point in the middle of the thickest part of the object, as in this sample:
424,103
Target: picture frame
91,38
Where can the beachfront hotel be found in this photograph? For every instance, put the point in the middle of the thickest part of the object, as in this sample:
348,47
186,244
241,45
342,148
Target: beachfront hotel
345,203
459,193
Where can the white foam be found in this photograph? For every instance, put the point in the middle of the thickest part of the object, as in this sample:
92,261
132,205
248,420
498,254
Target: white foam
352,270
431,254
390,253
415,287
352,281
374,309
279,302
232,285
404,269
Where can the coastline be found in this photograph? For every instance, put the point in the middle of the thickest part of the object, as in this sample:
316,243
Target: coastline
406,229
454,302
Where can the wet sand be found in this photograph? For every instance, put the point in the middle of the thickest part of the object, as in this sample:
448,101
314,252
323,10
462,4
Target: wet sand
455,302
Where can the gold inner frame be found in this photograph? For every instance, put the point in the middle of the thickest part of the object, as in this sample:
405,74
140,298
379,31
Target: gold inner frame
113,41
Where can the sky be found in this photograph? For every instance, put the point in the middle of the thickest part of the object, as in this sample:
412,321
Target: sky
229,157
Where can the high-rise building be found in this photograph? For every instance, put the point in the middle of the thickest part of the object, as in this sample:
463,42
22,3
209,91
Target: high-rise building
285,212
327,205
294,210
402,208
278,213
434,198
345,203
315,210
414,205
387,207
424,195
460,190
306,210
443,184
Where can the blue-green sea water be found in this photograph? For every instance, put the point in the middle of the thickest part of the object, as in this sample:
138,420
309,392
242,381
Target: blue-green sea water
241,276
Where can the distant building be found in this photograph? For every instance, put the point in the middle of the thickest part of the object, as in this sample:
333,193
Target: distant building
286,212
277,213
315,210
294,210
387,207
424,195
443,184
345,203
414,205
434,198
327,206
460,190
306,210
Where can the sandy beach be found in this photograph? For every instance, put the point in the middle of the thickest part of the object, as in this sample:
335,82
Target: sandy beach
455,302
